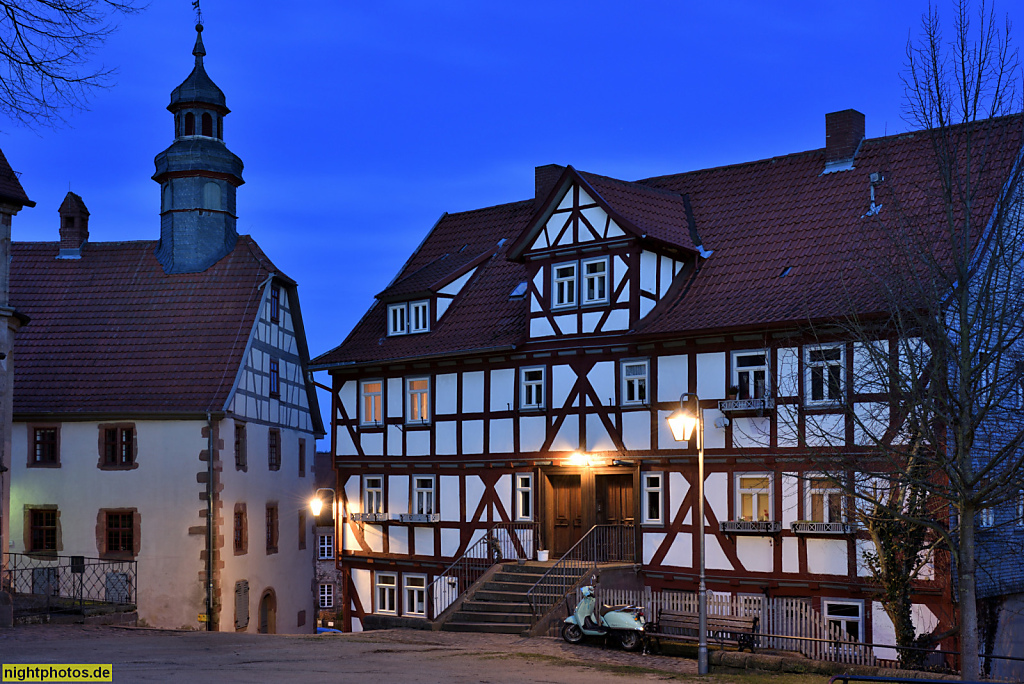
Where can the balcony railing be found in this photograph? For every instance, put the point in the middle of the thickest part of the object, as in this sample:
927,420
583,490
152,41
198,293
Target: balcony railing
419,517
751,526
745,404
370,517
810,527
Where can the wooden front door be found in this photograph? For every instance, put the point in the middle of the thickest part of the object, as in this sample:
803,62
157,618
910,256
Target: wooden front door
268,614
567,518
614,499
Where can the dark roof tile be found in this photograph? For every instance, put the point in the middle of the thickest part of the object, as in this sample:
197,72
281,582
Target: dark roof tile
112,333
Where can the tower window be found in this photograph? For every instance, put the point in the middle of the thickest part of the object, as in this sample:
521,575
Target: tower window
207,125
190,123
211,196
220,127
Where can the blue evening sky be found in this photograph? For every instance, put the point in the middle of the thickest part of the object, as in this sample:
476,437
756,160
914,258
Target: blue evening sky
360,123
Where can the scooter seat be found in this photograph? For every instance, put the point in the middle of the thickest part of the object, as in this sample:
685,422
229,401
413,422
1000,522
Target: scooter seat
607,609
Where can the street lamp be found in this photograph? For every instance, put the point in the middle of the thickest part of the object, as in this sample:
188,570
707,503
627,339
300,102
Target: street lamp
682,423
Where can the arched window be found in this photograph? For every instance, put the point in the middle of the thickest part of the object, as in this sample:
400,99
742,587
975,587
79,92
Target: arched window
207,125
220,127
190,123
168,197
211,196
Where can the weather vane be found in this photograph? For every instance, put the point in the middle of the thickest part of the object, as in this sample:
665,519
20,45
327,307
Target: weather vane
199,12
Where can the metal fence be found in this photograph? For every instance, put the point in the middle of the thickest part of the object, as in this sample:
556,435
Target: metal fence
502,542
601,544
69,584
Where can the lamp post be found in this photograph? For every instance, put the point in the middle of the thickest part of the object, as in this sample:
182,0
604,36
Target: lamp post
682,422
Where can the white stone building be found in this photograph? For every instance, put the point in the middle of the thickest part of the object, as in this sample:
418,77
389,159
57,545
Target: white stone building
162,379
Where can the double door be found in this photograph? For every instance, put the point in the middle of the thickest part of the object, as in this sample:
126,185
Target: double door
579,502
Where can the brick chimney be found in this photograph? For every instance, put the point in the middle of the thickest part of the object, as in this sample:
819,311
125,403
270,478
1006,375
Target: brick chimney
545,178
844,132
74,227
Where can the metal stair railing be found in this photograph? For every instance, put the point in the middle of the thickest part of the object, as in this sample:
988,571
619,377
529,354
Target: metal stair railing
501,542
601,544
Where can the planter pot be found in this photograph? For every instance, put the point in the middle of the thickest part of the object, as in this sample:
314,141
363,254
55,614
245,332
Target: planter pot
542,555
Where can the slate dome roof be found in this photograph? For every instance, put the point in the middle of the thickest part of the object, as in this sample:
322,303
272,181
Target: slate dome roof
198,87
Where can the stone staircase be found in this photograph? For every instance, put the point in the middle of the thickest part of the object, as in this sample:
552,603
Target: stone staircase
500,605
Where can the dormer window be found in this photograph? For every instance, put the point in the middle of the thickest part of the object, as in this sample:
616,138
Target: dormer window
419,316
595,281
409,317
564,289
398,319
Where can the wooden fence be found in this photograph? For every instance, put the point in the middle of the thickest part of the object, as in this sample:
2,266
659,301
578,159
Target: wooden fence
785,624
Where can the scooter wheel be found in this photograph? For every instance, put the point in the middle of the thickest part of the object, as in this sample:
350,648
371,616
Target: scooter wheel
572,633
630,640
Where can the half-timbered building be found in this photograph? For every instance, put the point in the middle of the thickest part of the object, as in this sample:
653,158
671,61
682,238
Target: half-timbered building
164,412
522,365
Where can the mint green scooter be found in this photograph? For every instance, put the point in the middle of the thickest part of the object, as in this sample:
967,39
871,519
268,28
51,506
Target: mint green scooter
625,623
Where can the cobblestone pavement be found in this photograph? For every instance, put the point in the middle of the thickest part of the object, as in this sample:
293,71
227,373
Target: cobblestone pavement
144,655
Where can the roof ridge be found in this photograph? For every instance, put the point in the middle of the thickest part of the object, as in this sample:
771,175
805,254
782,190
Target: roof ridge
819,150
493,206
637,184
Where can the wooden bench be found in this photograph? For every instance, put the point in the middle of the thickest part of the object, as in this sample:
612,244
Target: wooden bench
723,630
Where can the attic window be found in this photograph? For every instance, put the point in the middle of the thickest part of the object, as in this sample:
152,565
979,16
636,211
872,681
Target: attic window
409,317
398,316
785,271
519,292
419,316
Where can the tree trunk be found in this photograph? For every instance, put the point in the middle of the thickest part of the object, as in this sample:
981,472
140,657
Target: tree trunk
970,666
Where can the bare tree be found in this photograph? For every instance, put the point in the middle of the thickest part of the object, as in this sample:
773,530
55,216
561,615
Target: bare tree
47,48
944,342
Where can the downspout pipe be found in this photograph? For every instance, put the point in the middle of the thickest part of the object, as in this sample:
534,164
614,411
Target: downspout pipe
209,522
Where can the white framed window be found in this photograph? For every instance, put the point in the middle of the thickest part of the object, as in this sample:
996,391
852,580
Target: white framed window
370,405
824,374
415,595
417,400
398,319
419,316
823,501
373,494
987,517
564,286
524,497
387,585
325,546
754,497
326,596
750,374
595,281
532,388
1020,509
654,497
423,495
634,382
845,617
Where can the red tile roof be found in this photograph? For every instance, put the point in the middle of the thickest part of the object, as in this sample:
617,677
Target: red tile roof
758,219
658,215
112,333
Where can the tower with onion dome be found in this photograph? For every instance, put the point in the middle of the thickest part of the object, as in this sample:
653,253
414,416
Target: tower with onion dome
198,176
